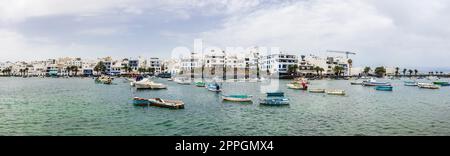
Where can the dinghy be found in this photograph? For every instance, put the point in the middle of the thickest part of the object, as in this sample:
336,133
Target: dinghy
237,98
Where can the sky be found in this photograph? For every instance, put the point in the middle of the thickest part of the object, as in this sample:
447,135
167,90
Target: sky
411,33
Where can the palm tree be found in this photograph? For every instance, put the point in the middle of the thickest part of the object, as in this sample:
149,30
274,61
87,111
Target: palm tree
338,70
317,69
68,69
410,72
397,71
75,69
350,65
100,67
380,71
26,71
404,71
415,72
292,69
367,70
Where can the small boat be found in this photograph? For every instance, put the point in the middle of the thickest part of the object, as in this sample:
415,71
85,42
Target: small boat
275,99
200,84
317,90
237,98
214,87
441,83
384,88
410,83
158,102
335,92
427,86
182,81
141,101
104,80
373,82
297,86
170,79
356,83
147,84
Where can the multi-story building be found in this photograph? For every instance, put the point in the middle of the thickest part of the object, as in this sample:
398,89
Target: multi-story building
278,63
155,64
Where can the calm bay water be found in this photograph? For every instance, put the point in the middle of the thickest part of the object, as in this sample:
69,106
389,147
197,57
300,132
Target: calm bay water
45,106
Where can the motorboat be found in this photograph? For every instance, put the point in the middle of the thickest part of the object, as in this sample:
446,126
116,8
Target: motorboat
147,84
335,92
275,99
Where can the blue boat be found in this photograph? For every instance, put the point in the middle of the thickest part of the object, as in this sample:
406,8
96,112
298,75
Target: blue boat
275,99
140,101
384,88
373,82
214,87
411,83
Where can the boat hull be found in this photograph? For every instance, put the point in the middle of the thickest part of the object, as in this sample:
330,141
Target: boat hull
275,102
237,98
384,88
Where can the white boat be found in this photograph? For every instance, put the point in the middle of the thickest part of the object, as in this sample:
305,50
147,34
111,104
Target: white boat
147,84
335,92
182,81
237,98
427,86
317,90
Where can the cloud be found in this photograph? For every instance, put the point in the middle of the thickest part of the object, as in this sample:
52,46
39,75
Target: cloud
15,47
401,34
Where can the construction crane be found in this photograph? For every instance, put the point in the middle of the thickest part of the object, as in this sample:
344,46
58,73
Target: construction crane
342,52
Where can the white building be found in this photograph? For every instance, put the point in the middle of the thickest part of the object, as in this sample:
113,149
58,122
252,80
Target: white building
278,63
155,64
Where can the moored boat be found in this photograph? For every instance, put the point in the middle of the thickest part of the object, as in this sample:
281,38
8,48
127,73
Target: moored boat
214,87
200,84
140,101
356,83
441,83
335,92
147,84
104,80
373,82
158,102
427,86
410,83
297,86
182,81
384,88
275,99
237,98
317,90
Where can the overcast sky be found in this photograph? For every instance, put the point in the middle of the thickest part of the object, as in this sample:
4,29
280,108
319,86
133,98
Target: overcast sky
383,32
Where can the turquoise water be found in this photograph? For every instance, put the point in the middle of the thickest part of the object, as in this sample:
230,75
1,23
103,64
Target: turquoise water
45,106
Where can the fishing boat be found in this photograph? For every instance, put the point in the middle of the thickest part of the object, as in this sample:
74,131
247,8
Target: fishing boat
384,88
427,86
410,83
237,98
441,83
158,102
104,80
140,101
335,92
297,86
275,99
356,83
373,82
147,84
317,90
214,87
200,84
182,81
